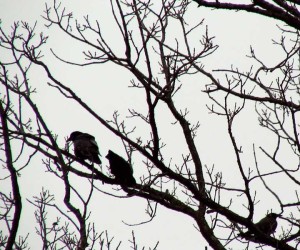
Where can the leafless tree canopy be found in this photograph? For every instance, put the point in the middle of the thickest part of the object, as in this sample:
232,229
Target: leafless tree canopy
163,49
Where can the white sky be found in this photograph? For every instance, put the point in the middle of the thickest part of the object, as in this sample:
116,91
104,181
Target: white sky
104,88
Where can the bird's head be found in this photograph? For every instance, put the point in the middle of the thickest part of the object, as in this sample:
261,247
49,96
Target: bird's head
109,155
74,135
273,215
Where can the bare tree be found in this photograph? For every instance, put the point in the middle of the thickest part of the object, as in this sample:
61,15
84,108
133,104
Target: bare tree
161,63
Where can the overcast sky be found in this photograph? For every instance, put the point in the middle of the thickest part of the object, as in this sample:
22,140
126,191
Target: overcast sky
104,87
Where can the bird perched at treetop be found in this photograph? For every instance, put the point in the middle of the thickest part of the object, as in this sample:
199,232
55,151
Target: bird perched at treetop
266,225
121,169
85,146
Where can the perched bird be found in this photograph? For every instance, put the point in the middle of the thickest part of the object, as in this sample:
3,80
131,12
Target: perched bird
266,225
85,146
121,169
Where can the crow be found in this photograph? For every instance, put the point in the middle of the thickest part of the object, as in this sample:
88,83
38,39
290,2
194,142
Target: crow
121,169
85,146
266,225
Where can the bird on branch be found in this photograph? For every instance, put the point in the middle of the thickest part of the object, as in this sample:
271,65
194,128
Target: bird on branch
266,225
121,169
85,146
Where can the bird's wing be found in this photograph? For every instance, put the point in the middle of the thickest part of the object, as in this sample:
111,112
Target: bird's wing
93,141
86,136
89,138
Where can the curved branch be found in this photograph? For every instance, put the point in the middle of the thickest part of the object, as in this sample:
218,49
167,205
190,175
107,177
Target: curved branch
284,12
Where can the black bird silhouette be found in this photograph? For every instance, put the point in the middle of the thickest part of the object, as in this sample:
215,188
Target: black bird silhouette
85,146
121,169
266,225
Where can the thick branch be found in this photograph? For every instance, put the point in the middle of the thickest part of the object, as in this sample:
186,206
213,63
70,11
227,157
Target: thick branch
287,14
14,180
